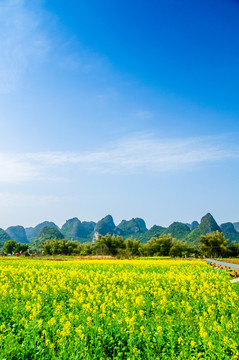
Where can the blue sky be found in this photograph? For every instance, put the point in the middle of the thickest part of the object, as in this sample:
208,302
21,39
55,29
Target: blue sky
122,107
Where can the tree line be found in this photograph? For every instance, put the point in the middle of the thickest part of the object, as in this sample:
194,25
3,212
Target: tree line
117,246
211,245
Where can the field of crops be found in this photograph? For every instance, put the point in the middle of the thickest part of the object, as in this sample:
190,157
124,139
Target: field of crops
117,309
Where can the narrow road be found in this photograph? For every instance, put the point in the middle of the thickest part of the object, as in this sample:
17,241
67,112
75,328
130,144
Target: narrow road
233,266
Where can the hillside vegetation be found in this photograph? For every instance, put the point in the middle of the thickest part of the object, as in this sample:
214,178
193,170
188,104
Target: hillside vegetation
46,233
88,231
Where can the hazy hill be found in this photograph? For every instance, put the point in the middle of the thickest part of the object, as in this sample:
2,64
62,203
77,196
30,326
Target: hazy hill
74,229
107,226
87,231
3,237
194,225
17,233
236,226
32,232
49,232
154,231
207,225
135,225
46,233
229,232
228,228
178,230
88,226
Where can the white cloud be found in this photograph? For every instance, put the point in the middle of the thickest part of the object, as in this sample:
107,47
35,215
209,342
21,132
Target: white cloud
142,152
136,155
21,40
15,169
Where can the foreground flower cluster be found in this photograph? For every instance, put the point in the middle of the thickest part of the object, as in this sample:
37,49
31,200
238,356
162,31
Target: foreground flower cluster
114,309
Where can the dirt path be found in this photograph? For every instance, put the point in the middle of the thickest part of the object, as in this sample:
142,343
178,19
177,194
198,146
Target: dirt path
231,265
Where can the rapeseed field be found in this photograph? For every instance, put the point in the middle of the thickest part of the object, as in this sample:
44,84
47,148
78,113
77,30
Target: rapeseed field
117,309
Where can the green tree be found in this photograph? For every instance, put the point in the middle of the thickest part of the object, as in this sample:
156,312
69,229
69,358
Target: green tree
9,246
159,246
108,245
132,246
214,244
20,248
86,249
60,247
233,249
178,249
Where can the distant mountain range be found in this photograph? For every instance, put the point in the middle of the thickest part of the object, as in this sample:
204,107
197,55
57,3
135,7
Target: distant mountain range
88,231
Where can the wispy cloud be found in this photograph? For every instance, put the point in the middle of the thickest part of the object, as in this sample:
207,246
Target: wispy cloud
21,39
135,155
15,168
142,152
29,34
